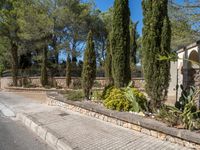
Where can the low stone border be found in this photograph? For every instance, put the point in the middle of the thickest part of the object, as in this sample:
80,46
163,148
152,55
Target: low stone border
135,122
54,140
21,89
39,90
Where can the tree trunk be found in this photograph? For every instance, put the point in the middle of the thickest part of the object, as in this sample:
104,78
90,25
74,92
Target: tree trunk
74,57
14,54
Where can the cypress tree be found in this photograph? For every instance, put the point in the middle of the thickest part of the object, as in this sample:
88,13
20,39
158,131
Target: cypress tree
44,76
156,41
89,67
120,42
68,71
133,44
108,63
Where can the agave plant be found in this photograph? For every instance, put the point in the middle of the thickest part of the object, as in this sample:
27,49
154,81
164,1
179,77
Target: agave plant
191,114
186,96
131,97
137,98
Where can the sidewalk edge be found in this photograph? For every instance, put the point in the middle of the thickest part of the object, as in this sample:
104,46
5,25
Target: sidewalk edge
50,137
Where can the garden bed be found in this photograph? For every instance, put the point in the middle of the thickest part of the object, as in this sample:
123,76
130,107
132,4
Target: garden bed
139,123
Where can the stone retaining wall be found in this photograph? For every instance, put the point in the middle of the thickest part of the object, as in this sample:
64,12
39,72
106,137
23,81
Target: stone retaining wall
135,122
61,81
31,90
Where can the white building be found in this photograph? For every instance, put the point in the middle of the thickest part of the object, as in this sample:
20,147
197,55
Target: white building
184,71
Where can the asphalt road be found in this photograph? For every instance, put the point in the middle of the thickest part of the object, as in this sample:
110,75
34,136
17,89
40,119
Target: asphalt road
14,136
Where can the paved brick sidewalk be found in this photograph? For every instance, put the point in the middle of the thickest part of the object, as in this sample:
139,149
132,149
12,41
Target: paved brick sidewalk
87,133
83,132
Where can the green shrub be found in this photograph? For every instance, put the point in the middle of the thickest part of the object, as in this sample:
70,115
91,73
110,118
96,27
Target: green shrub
75,95
186,96
191,116
76,84
137,98
96,95
106,91
185,112
187,104
126,99
170,115
117,101
88,74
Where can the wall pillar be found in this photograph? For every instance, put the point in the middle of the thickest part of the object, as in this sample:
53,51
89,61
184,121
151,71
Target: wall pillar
185,68
198,102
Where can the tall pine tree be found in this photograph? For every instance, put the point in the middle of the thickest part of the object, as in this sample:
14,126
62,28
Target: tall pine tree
9,29
89,67
120,43
156,41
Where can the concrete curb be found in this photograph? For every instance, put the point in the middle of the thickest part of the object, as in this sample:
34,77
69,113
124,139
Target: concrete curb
6,111
50,137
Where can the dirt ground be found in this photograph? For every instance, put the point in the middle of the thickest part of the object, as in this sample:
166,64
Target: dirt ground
41,97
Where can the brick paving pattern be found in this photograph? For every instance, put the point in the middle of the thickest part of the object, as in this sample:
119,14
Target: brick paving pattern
87,133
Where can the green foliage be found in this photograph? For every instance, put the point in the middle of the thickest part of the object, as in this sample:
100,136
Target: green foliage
9,24
137,98
169,57
108,62
97,84
4,53
1,69
32,25
190,116
133,44
76,84
96,95
132,98
117,101
170,115
186,96
75,95
185,113
68,71
174,57
185,25
156,41
182,34
44,75
106,91
187,104
126,99
89,66
120,42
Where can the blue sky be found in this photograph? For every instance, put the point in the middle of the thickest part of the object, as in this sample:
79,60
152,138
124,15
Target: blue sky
135,7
